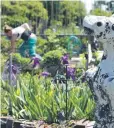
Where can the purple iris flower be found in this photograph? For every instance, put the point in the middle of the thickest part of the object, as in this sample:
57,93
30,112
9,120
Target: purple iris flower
14,69
71,73
36,61
45,74
65,59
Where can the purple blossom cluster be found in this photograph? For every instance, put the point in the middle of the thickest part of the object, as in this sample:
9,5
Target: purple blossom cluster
70,70
65,59
14,69
45,74
71,73
35,61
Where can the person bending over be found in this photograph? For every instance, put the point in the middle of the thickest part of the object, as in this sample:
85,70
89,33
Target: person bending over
22,32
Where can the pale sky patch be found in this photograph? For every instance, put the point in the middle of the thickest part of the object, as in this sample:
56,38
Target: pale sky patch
89,4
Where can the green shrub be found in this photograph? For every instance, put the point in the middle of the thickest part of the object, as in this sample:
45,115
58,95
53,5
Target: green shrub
64,42
53,57
41,47
5,44
20,60
23,63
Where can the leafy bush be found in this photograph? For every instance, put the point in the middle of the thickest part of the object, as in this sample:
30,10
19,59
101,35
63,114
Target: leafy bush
3,59
20,60
23,63
5,44
53,57
41,47
53,42
50,42
64,41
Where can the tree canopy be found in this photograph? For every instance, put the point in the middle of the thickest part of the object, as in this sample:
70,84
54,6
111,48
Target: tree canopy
16,12
71,11
42,14
65,11
100,12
